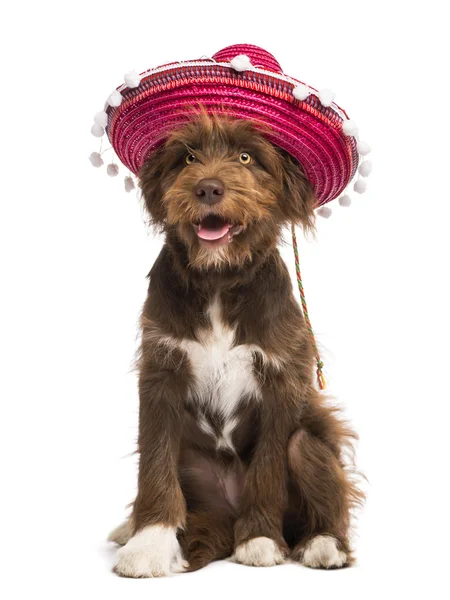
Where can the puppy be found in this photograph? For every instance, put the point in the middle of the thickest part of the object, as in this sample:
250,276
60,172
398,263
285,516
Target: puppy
239,453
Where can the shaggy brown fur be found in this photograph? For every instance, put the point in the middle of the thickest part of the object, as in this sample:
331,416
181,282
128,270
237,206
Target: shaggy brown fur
284,476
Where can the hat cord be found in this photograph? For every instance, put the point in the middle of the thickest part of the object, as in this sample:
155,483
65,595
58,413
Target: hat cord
320,377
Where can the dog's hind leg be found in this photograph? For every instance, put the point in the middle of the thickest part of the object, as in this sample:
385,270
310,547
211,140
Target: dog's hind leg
325,495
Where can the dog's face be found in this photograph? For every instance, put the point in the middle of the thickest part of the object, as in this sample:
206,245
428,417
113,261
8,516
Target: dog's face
225,190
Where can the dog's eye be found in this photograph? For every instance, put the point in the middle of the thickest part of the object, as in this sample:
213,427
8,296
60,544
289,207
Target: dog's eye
245,158
190,158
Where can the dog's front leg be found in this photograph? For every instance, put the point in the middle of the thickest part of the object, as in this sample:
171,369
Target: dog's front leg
159,509
258,531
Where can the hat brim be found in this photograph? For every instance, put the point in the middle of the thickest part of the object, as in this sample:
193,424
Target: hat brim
307,130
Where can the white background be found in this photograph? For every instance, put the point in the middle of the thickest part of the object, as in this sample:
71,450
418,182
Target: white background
75,252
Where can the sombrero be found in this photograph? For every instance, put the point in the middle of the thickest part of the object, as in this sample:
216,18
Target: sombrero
245,82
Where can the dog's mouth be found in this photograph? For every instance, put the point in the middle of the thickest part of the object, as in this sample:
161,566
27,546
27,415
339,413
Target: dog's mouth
214,230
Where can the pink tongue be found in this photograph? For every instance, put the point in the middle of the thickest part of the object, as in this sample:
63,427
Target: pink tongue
207,233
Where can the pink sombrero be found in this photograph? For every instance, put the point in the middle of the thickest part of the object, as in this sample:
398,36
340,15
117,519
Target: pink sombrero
246,82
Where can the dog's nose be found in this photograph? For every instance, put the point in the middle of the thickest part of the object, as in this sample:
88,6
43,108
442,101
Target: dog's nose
209,191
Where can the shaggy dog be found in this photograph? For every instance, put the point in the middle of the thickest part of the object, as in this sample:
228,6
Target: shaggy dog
239,453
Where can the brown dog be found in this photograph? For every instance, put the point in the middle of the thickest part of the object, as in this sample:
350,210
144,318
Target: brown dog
239,453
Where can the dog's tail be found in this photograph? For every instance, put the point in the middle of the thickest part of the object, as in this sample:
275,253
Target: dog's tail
121,534
206,539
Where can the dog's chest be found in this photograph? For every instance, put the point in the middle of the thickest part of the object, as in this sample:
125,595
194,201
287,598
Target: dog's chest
223,377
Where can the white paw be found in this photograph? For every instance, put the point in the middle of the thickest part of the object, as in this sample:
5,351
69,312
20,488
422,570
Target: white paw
259,552
323,552
152,552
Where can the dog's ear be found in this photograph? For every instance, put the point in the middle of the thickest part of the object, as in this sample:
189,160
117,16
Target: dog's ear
150,176
297,200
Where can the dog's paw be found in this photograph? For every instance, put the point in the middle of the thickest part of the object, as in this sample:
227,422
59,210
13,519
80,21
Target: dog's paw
323,552
259,552
152,552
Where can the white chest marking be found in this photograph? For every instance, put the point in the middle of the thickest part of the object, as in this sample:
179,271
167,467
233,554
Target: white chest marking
223,373
225,440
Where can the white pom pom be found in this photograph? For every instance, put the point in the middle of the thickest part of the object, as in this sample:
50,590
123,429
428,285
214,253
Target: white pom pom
112,170
129,184
350,127
326,97
132,79
241,62
97,130
365,168
96,159
115,99
301,92
101,119
345,200
324,211
363,148
360,186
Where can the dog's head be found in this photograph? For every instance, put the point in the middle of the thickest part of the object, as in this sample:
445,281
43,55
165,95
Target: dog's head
224,189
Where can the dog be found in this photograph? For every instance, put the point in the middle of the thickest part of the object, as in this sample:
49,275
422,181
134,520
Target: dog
239,454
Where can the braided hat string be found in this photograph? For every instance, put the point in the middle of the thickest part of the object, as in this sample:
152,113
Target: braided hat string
320,377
